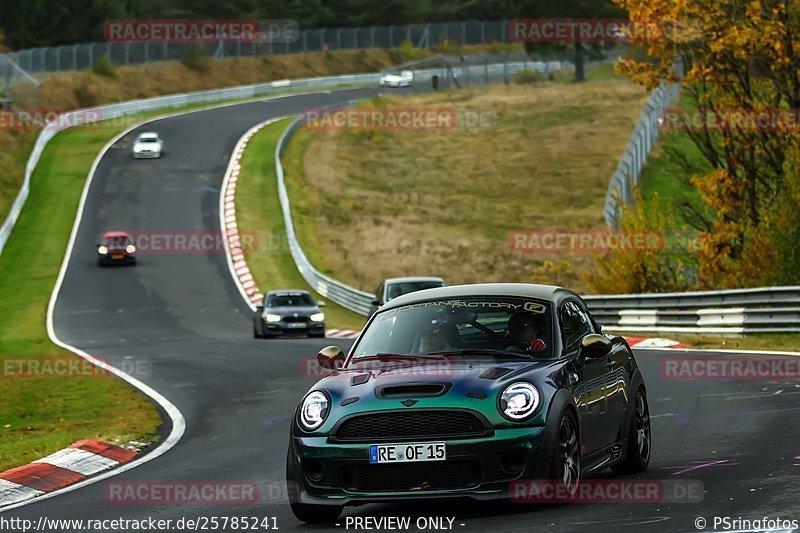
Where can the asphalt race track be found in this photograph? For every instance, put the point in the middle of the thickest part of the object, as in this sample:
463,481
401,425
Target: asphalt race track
183,316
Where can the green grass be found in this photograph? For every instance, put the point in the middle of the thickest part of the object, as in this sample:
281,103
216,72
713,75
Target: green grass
781,342
39,415
257,207
595,72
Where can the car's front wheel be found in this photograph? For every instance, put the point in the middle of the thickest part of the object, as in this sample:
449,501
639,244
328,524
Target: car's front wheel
257,333
566,467
637,458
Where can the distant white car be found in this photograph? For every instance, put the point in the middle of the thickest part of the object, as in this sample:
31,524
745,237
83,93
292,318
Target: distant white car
148,145
403,79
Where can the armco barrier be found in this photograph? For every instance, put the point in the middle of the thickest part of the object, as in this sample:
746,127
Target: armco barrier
631,164
113,111
767,310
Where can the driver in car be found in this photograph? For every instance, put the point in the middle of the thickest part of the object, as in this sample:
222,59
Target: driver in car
523,334
432,340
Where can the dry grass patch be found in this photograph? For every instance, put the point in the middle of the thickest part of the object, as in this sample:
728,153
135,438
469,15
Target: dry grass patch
380,204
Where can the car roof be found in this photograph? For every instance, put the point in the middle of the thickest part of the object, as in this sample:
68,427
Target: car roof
286,292
525,290
411,279
115,233
148,134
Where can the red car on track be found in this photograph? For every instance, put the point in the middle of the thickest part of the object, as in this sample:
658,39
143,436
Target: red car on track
116,248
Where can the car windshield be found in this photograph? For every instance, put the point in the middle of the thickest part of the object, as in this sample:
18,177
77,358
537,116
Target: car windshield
290,300
117,242
148,139
398,289
498,327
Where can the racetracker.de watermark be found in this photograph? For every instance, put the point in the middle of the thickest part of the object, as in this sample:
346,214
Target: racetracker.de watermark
192,241
71,366
429,367
724,368
600,30
201,31
608,491
432,119
48,119
181,492
578,241
731,120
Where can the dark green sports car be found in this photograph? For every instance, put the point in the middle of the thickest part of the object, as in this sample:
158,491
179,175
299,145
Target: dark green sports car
460,392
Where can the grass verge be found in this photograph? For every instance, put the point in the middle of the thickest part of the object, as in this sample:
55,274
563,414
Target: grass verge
257,206
782,342
44,412
378,204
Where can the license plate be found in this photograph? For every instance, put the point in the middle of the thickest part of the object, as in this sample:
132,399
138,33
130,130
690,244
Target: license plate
407,453
296,325
117,256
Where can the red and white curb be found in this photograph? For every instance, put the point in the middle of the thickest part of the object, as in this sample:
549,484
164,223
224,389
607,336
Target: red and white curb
73,464
341,333
230,230
641,342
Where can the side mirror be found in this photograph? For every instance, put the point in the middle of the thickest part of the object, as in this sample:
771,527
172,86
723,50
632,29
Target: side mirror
320,304
594,346
376,302
331,358
260,308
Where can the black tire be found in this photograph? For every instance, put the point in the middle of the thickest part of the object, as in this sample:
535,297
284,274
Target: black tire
308,513
566,466
637,456
256,333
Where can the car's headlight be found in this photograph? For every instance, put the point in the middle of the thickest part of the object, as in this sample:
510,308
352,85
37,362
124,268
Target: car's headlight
273,318
318,317
313,410
130,248
102,250
519,401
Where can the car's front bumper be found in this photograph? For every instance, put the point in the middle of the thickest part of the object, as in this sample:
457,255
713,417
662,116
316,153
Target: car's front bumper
479,469
146,155
117,259
286,328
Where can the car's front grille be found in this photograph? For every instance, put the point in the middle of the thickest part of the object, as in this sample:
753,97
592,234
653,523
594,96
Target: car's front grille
402,477
292,319
412,425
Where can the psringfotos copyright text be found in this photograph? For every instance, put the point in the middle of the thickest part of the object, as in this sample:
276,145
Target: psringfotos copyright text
730,523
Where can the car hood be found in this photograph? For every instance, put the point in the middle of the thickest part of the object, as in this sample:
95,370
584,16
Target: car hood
473,385
305,310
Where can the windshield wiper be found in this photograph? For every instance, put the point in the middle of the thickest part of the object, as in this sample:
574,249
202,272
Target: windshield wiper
390,356
482,351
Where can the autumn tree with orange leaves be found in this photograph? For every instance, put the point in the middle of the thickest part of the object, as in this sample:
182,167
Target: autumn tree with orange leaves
741,73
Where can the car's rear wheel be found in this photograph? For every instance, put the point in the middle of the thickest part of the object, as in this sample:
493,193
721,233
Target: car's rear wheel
637,458
567,457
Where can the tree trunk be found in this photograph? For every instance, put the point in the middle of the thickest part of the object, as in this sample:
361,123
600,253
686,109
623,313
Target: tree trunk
580,74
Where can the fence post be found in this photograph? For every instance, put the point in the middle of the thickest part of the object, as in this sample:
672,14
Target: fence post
58,58
483,31
75,57
372,31
90,56
463,33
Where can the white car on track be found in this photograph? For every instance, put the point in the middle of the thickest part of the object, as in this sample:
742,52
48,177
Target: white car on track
148,145
394,79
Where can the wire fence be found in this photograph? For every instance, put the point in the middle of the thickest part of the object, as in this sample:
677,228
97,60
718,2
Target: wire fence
84,56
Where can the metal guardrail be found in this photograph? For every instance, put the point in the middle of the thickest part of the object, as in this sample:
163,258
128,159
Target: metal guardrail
760,310
344,295
115,111
631,164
